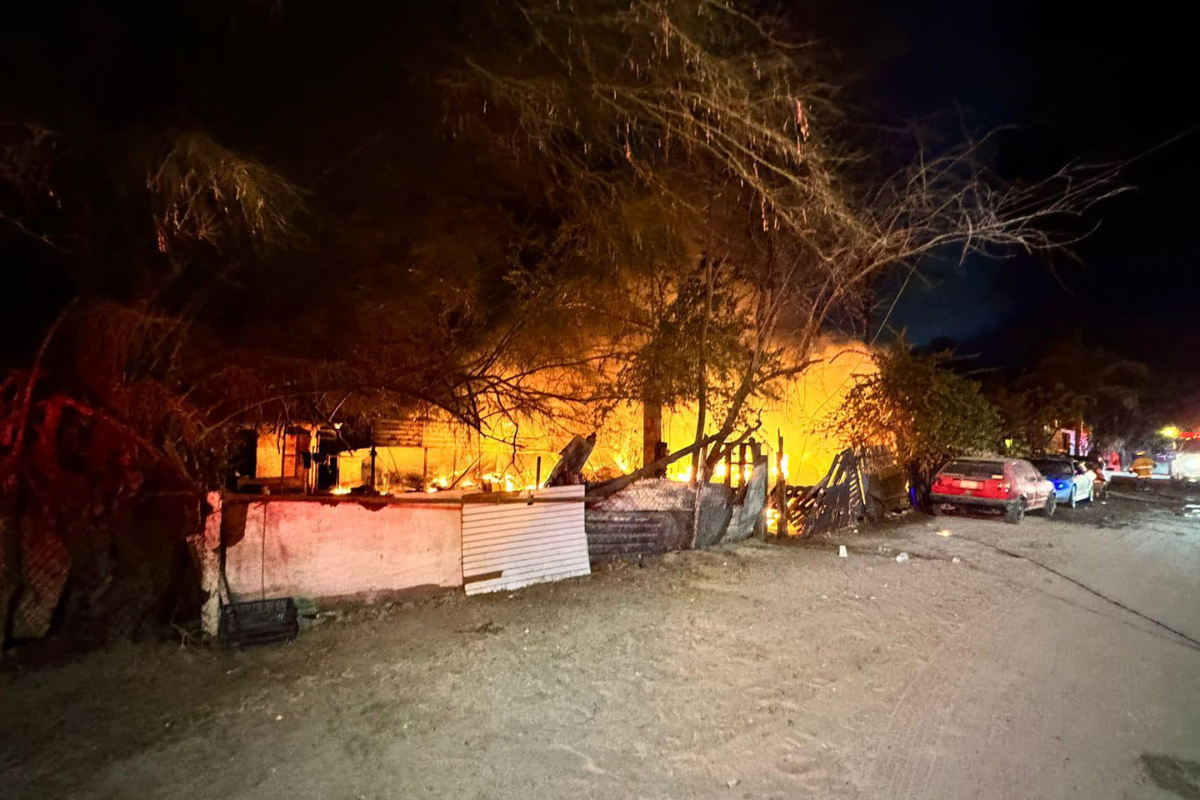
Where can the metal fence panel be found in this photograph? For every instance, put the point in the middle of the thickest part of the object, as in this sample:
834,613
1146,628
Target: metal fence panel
508,545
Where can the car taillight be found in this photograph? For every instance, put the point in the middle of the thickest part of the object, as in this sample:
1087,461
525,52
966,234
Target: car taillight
1005,487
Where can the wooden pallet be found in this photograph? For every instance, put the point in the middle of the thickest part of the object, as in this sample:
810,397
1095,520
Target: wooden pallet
837,501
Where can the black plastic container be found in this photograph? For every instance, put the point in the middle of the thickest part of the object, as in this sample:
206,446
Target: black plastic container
258,622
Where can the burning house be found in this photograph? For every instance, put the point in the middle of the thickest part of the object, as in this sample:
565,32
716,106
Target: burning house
425,504
431,453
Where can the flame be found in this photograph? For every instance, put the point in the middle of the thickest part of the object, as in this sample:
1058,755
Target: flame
505,456
786,469
683,477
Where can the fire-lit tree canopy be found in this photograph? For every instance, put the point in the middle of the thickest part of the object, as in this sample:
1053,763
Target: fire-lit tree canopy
525,204
925,412
686,141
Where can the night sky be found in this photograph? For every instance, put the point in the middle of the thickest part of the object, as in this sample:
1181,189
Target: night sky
1081,82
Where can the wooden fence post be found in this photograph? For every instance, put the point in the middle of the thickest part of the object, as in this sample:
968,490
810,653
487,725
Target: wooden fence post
781,527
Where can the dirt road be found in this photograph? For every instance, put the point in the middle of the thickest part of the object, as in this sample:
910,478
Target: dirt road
765,671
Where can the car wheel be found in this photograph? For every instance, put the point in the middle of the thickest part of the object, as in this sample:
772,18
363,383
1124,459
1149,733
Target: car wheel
936,509
1074,500
1050,507
1015,513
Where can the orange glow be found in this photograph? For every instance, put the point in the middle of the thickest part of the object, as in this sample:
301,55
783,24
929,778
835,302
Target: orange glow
492,462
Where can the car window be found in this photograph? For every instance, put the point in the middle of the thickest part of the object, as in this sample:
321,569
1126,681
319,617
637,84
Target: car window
973,466
1053,467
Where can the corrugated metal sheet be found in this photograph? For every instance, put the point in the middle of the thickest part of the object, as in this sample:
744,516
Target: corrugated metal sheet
513,544
636,533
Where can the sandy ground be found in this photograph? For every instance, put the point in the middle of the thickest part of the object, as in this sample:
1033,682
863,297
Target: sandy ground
765,671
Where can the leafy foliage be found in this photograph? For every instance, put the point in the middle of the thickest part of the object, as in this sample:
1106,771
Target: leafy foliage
1075,385
678,305
926,412
204,192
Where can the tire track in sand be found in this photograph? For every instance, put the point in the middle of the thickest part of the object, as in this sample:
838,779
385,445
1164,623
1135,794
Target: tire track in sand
908,747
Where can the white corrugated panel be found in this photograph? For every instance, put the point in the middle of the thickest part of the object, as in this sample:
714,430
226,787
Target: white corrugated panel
513,544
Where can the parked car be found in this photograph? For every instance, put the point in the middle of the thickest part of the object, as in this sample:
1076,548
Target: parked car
1008,485
1186,466
1072,483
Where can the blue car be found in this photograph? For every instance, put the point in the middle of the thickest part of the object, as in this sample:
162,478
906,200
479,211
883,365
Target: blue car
1072,483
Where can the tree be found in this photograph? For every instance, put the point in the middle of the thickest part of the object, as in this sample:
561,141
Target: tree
1074,385
926,413
578,202
1029,416
112,415
706,112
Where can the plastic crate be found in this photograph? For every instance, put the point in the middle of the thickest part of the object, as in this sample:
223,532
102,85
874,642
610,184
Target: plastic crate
259,622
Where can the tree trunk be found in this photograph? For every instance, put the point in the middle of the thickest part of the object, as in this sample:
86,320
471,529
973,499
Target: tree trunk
702,387
651,429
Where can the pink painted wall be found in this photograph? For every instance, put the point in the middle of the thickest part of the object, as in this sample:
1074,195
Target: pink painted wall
341,548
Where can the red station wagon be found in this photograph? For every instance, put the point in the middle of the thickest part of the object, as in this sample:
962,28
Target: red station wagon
1009,485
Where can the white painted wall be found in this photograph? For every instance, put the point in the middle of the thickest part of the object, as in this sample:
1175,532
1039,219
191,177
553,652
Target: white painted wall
326,548
339,547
